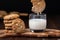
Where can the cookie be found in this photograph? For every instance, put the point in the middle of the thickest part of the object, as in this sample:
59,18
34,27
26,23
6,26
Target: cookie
11,16
7,22
34,2
18,26
10,24
38,6
8,28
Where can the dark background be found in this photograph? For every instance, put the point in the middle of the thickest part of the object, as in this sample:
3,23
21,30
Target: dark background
52,10
15,5
52,6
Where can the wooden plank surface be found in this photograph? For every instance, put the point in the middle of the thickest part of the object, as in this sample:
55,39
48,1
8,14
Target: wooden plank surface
49,32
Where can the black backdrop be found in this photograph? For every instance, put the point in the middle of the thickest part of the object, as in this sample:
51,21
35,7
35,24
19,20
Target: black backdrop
52,6
15,5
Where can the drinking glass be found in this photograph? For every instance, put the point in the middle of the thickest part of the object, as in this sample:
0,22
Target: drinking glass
37,23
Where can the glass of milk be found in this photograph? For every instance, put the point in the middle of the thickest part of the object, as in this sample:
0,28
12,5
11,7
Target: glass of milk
37,23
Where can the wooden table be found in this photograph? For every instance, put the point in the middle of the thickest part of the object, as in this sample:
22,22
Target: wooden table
27,38
27,33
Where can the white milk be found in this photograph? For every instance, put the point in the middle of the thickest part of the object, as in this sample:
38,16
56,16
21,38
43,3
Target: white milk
37,24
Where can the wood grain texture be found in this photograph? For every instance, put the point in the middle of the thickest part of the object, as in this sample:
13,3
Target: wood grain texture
27,33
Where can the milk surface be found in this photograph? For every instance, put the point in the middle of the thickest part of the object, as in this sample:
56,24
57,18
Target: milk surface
37,24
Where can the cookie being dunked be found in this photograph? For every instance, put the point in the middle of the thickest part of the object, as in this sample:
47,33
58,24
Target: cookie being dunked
38,5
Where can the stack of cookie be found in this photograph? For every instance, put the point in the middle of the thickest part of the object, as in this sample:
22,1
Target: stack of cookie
13,22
